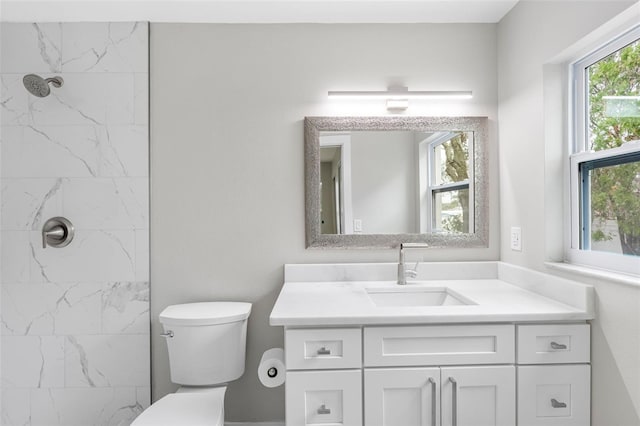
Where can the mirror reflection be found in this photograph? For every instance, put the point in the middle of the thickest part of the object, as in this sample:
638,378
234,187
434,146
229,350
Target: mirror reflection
396,182
381,181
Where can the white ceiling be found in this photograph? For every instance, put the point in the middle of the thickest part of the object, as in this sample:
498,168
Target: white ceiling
257,11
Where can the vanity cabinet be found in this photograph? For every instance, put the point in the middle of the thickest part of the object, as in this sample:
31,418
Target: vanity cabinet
438,375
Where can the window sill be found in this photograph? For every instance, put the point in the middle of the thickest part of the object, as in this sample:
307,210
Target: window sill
585,271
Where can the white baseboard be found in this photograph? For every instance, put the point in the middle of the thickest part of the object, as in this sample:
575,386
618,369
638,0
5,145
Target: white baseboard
254,424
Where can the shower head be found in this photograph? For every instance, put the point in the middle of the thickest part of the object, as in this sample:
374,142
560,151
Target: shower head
39,86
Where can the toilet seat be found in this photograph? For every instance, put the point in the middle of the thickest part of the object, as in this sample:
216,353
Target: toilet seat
197,408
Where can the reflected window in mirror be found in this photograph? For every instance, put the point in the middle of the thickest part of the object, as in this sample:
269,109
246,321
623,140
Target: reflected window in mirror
447,171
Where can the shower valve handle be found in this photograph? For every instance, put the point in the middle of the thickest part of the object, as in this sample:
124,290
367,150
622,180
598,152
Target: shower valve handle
57,232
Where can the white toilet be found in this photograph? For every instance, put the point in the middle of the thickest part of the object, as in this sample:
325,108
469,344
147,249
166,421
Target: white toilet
206,343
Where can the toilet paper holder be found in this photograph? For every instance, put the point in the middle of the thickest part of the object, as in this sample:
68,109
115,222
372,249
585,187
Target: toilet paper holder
272,369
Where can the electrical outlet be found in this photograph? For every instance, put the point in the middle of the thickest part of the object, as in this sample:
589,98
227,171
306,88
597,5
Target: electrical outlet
357,225
516,238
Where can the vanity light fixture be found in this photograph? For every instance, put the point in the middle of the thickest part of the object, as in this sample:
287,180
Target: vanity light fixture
398,97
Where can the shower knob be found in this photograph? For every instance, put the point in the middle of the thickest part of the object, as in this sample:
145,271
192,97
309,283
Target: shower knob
57,232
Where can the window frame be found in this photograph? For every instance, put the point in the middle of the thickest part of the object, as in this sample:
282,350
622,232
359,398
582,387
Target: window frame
428,175
579,154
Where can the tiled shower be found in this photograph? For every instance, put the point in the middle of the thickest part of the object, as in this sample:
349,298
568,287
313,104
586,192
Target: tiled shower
75,320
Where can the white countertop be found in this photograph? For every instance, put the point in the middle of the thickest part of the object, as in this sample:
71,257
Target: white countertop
333,303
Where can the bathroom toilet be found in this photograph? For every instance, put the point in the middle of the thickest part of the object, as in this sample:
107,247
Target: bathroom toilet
206,343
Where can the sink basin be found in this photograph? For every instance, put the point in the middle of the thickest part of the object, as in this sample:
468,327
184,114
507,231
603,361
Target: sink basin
390,297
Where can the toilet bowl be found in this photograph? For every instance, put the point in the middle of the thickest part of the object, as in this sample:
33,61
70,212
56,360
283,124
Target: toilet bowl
188,407
207,348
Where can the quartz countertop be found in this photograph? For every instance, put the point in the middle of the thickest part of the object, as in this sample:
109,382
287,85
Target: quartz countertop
513,294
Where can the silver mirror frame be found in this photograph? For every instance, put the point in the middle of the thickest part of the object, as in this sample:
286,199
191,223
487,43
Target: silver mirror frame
314,125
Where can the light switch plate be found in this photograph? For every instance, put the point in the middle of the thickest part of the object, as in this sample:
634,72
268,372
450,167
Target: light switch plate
516,238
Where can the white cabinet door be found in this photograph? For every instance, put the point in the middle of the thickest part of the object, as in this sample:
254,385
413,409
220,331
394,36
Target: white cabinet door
324,398
402,397
478,396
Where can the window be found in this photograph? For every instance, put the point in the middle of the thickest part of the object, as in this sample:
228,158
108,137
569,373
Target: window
605,158
449,182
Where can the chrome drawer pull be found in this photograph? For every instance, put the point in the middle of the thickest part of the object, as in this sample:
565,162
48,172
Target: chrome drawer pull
324,410
555,345
324,351
454,402
433,400
556,404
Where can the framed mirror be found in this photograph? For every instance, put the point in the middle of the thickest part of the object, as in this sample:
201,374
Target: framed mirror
376,182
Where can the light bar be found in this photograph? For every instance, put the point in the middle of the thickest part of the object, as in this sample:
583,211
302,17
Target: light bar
399,94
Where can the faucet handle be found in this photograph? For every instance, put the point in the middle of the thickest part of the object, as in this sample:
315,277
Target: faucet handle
411,273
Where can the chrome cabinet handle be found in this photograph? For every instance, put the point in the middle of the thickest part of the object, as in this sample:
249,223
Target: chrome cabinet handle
555,345
168,334
433,400
324,351
324,410
557,404
454,402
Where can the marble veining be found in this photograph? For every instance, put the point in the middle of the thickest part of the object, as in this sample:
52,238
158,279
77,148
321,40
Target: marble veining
84,362
65,148
75,308
12,100
49,51
75,151
75,321
104,47
70,107
125,307
37,215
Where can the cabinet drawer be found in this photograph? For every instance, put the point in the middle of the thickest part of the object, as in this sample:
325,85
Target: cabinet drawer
328,348
554,395
553,343
439,345
324,398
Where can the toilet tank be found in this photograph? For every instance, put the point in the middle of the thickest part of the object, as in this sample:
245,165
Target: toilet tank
206,341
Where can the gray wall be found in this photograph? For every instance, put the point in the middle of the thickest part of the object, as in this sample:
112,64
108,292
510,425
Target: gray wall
531,168
227,183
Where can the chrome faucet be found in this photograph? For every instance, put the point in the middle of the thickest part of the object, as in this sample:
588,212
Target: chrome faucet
402,273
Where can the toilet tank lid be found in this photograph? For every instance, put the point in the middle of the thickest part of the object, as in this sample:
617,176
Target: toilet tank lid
205,313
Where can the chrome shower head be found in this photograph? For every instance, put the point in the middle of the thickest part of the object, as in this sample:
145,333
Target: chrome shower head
39,86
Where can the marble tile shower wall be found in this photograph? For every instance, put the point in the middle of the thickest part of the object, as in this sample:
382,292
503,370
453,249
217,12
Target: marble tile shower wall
75,321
